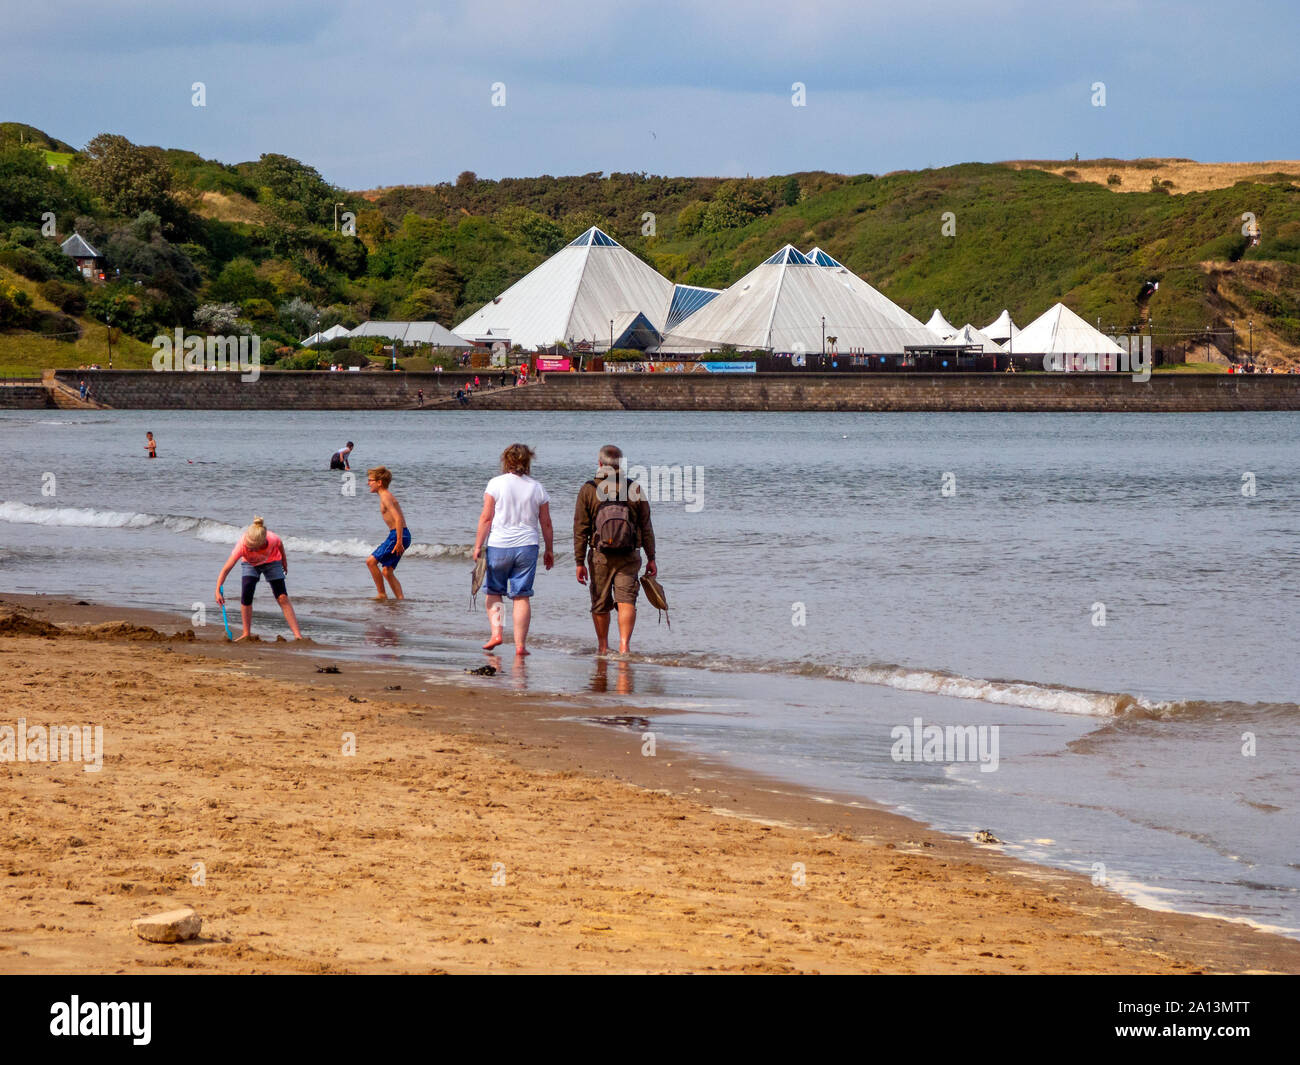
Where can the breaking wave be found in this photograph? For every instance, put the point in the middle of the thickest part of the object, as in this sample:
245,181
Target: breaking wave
206,529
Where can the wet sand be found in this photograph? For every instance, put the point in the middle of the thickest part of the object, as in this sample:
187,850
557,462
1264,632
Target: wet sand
475,830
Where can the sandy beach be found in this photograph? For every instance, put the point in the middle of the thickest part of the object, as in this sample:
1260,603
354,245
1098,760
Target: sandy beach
471,832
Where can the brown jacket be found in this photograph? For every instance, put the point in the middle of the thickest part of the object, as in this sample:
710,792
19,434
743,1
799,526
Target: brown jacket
584,520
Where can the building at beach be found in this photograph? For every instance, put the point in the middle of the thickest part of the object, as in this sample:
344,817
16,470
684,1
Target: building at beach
1002,328
940,326
411,333
589,292
970,337
1071,342
789,303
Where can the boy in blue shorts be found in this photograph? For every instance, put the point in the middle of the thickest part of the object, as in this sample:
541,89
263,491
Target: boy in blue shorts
384,559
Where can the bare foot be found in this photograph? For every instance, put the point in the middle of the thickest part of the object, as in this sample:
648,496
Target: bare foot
496,640
521,651
243,637
602,649
623,649
379,598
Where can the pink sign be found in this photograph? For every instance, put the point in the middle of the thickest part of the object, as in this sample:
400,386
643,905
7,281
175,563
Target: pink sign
553,365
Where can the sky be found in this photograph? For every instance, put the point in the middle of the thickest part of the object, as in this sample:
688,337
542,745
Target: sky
376,93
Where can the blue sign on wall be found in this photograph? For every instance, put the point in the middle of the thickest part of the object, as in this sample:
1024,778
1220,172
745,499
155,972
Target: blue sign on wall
731,367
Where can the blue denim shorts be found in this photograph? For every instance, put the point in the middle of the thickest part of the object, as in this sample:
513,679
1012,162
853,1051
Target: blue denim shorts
510,571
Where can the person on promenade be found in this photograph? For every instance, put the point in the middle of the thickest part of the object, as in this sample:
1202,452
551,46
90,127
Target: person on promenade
339,460
611,525
262,554
383,561
151,445
516,515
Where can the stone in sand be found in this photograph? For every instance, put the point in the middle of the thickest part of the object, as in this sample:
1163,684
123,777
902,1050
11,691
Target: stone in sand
170,927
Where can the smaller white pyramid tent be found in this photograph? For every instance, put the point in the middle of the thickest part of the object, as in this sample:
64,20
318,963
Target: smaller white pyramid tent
784,304
940,326
1002,328
332,333
573,296
969,336
1060,331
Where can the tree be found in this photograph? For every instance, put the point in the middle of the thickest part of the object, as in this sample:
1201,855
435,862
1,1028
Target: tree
298,314
294,191
465,179
218,318
128,178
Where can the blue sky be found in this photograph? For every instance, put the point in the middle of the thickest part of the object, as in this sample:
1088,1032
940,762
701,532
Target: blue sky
374,93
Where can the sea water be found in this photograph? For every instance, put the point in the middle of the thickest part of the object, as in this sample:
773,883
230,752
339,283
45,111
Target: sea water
1116,595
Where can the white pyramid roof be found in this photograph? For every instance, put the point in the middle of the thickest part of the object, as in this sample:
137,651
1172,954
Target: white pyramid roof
969,336
875,297
1002,328
412,333
573,296
1060,331
940,326
779,306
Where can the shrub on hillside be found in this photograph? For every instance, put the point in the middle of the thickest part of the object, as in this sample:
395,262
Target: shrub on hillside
70,299
15,306
26,262
1114,179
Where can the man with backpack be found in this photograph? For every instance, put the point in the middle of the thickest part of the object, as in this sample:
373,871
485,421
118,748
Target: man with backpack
611,525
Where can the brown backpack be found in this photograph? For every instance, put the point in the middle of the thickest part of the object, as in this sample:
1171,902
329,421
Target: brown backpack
614,525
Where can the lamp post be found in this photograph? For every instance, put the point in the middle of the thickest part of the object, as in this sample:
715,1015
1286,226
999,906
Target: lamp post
1252,340
611,334
108,322
823,336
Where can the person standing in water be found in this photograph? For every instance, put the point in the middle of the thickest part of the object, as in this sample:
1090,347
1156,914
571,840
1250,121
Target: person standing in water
151,445
262,554
383,561
516,514
339,460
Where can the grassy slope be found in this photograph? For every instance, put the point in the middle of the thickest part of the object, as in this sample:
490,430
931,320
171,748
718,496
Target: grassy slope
26,355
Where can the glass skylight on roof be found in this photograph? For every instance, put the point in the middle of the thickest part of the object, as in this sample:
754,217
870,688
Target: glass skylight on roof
789,256
593,236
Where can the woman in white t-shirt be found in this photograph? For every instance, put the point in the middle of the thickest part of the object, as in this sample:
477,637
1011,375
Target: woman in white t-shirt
516,516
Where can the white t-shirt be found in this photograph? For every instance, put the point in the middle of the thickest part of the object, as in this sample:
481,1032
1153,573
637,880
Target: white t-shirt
518,499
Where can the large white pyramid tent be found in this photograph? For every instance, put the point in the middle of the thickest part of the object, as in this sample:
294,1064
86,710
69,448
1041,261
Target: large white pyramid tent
877,299
940,326
573,296
780,305
1060,331
969,336
1002,328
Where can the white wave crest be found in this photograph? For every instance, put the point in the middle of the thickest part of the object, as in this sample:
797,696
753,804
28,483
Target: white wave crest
1002,692
206,529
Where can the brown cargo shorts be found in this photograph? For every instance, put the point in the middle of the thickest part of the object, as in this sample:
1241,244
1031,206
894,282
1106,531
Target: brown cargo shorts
613,579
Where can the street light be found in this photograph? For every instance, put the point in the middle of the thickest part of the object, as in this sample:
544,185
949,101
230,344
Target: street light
611,334
108,322
823,336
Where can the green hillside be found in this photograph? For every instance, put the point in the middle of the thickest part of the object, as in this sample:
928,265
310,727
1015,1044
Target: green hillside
252,246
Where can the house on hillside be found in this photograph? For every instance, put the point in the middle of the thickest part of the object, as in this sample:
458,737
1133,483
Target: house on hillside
88,260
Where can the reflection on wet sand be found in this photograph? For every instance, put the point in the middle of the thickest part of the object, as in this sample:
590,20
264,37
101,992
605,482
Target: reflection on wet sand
599,682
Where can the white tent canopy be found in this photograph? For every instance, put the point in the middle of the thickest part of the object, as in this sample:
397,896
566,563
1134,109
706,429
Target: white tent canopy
969,336
332,333
573,296
780,306
1060,331
877,299
1002,328
412,333
940,326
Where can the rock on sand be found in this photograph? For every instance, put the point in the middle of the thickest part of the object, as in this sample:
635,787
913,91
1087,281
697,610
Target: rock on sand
169,927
